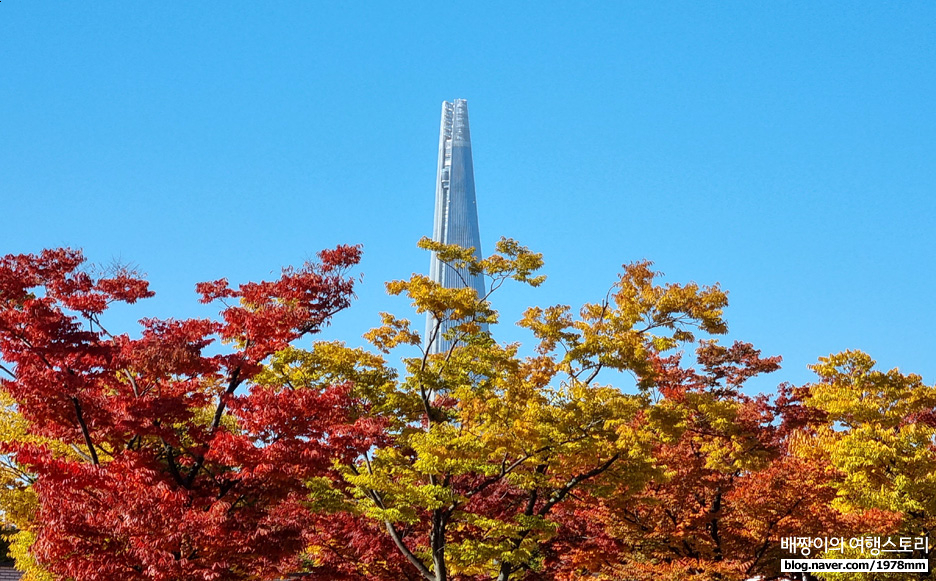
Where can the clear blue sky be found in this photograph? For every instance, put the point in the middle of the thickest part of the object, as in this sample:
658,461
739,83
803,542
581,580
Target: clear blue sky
784,149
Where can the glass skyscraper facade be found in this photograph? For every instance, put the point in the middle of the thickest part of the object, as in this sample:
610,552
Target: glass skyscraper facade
456,209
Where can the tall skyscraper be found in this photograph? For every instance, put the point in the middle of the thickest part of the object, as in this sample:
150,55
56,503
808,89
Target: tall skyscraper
456,210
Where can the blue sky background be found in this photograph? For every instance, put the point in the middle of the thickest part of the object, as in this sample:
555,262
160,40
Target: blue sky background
784,149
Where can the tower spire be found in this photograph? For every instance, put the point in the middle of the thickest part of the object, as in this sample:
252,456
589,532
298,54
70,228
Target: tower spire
456,210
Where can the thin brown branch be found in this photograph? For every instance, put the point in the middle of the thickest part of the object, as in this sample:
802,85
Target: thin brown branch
413,559
133,384
173,468
398,539
84,431
8,372
233,383
560,494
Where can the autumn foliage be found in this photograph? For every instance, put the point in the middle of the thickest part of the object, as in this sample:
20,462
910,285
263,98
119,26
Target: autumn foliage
154,458
216,449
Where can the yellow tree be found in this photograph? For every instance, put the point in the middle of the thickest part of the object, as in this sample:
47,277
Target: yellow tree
485,451
18,501
880,435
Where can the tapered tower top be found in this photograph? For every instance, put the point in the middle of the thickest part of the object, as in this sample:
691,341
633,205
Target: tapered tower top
456,210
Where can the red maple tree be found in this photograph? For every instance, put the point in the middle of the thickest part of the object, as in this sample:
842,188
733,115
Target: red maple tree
733,488
176,464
